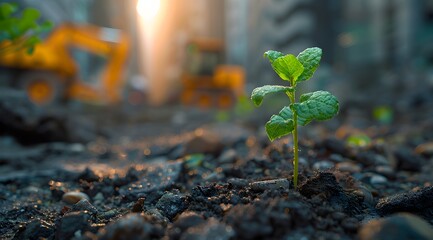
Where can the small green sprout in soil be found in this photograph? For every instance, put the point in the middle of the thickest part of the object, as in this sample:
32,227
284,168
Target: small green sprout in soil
358,140
383,114
319,105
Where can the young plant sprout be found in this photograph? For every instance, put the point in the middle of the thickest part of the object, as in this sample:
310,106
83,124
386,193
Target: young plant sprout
319,105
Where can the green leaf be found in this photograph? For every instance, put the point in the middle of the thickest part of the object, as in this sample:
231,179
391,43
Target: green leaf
21,27
358,140
286,113
30,14
280,125
273,55
28,20
310,59
320,105
288,67
6,10
259,93
6,29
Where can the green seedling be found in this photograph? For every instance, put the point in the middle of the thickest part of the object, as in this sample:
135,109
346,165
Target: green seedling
20,29
383,114
320,105
358,140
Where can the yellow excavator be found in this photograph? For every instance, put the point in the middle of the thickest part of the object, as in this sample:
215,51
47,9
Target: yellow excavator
51,73
206,81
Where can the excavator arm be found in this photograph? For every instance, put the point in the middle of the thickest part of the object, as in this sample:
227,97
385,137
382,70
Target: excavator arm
107,42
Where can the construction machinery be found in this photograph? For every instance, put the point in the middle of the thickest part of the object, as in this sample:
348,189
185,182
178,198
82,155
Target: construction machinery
206,81
51,73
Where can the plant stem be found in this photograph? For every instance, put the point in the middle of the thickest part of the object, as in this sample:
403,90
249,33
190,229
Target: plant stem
295,150
295,143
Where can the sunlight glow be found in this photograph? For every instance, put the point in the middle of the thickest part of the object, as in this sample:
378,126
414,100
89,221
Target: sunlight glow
148,9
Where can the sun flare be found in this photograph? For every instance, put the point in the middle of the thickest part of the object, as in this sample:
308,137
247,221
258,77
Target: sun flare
148,9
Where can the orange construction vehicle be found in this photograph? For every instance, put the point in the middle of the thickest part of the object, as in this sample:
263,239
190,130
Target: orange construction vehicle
206,81
51,73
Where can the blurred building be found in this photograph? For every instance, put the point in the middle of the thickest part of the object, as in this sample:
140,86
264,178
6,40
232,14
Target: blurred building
365,42
286,26
383,46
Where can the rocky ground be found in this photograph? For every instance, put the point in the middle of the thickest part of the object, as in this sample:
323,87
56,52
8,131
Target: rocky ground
220,181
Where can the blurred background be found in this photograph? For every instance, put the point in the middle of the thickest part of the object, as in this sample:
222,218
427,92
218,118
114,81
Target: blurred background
177,61
121,100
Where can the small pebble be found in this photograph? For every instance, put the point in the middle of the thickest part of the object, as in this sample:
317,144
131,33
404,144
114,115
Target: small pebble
425,149
70,223
227,167
131,226
172,204
74,197
238,182
378,179
228,156
323,165
336,158
99,197
84,205
366,194
108,214
211,229
157,216
204,142
32,189
373,178
385,170
381,160
187,219
303,161
270,184
348,167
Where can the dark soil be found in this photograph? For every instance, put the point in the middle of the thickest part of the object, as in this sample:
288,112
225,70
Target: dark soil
218,181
